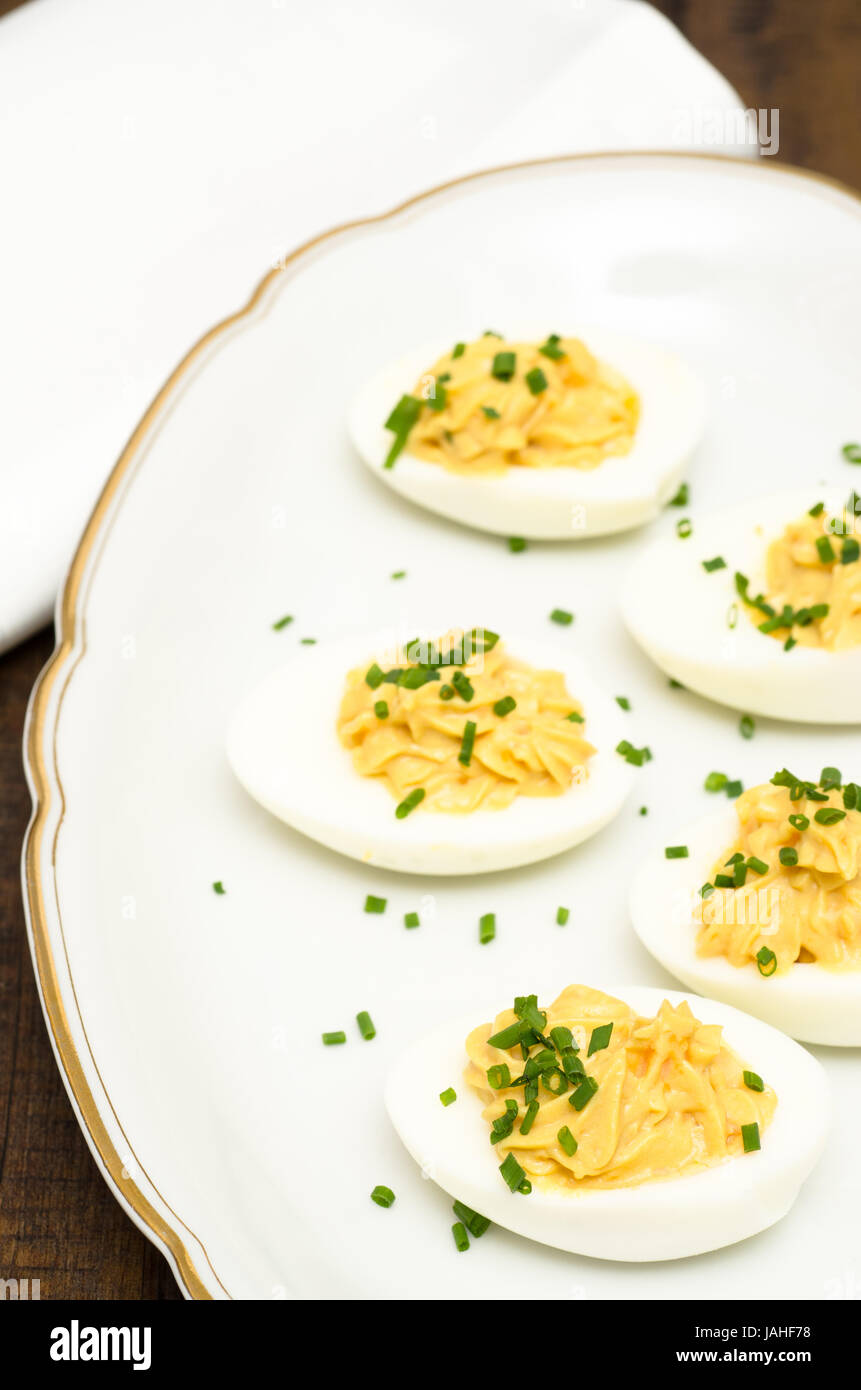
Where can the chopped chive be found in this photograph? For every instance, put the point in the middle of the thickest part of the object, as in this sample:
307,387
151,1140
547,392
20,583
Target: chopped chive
707,890
504,706
734,789
724,881
218,887
825,550
552,349
750,1138
830,778
676,852
739,875
562,915
529,1118
374,676
438,398
525,1188
562,617
503,367
766,961
600,1038
499,1076
536,381
458,350
399,574
373,904
409,802
746,726
644,810
282,623
400,422
753,1082
684,527
489,413
584,1093
448,1096
332,1039
758,866
512,1172
383,1196
308,641
849,551
463,686
366,1026
790,643
682,497
851,796
851,453
623,702
718,563
635,756
674,684
817,509
381,709
508,1037
486,928
411,919
716,782
575,717
461,1239
829,815
799,822
516,544
472,1220
567,1141
467,743
446,692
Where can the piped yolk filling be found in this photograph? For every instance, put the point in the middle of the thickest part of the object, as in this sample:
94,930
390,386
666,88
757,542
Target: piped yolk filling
794,890
813,584
498,405
478,734
662,1096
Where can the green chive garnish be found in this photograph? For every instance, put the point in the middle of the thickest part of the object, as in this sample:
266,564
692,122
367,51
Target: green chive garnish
503,367
282,623
562,617
746,726
529,1118
399,574
799,822
600,1038
644,810
676,852
499,1076
510,1036
410,802
766,961
851,453
512,1172
584,1093
684,527
830,779
504,706
536,381
707,890
682,497
400,422
635,756
366,1026
849,551
489,413
448,1096
461,1239
516,544
623,702
567,1141
734,789
486,928
308,641
446,692
750,1138
851,796
753,1082
718,563
411,919
758,866
373,904
374,676
552,349
459,350
463,685
817,509
218,887
829,815
562,915
716,782
383,1196
825,550
381,709
332,1039
575,718
472,1220
467,743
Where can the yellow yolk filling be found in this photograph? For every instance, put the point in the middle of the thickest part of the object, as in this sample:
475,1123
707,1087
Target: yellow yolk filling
533,750
671,1096
578,412
806,912
799,575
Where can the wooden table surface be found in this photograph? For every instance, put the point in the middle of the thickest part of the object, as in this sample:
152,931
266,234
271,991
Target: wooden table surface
58,1220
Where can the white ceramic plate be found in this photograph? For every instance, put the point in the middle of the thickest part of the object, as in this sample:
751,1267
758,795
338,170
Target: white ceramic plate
187,1024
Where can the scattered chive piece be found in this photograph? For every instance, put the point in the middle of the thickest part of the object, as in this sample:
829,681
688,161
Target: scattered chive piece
525,1188
503,367
383,1196
851,453
504,706
218,887
825,550
766,961
536,381
562,915
759,866
674,684
467,742
411,919
682,497
508,1037
724,881
552,349
849,551
308,641
282,622
716,782
373,904
584,1093
512,1172
635,756
561,1037
399,574
750,1138
644,810
600,1038
448,1096
830,778
707,890
409,802
459,350
487,928
623,702
562,617
753,1082
567,1141
575,717
499,1076
472,1220
400,422
718,563
461,1239
851,796
746,726
332,1039
446,692
817,509
516,544
684,527
381,709
366,1026
829,815
529,1118
734,789
790,643
463,685
676,852
799,822
489,413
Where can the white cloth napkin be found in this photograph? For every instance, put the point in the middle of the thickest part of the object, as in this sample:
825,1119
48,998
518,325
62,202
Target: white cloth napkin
156,156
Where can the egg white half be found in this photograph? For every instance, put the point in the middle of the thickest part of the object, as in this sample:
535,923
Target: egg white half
680,614
284,748
808,1002
550,503
665,1220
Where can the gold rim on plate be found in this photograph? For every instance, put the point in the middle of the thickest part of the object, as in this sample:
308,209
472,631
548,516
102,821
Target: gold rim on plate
69,650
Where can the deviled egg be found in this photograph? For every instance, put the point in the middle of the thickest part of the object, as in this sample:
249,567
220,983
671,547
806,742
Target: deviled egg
758,607
760,906
547,439
635,1130
460,755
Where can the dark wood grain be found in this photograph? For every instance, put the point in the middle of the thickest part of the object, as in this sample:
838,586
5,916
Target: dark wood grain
58,1220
